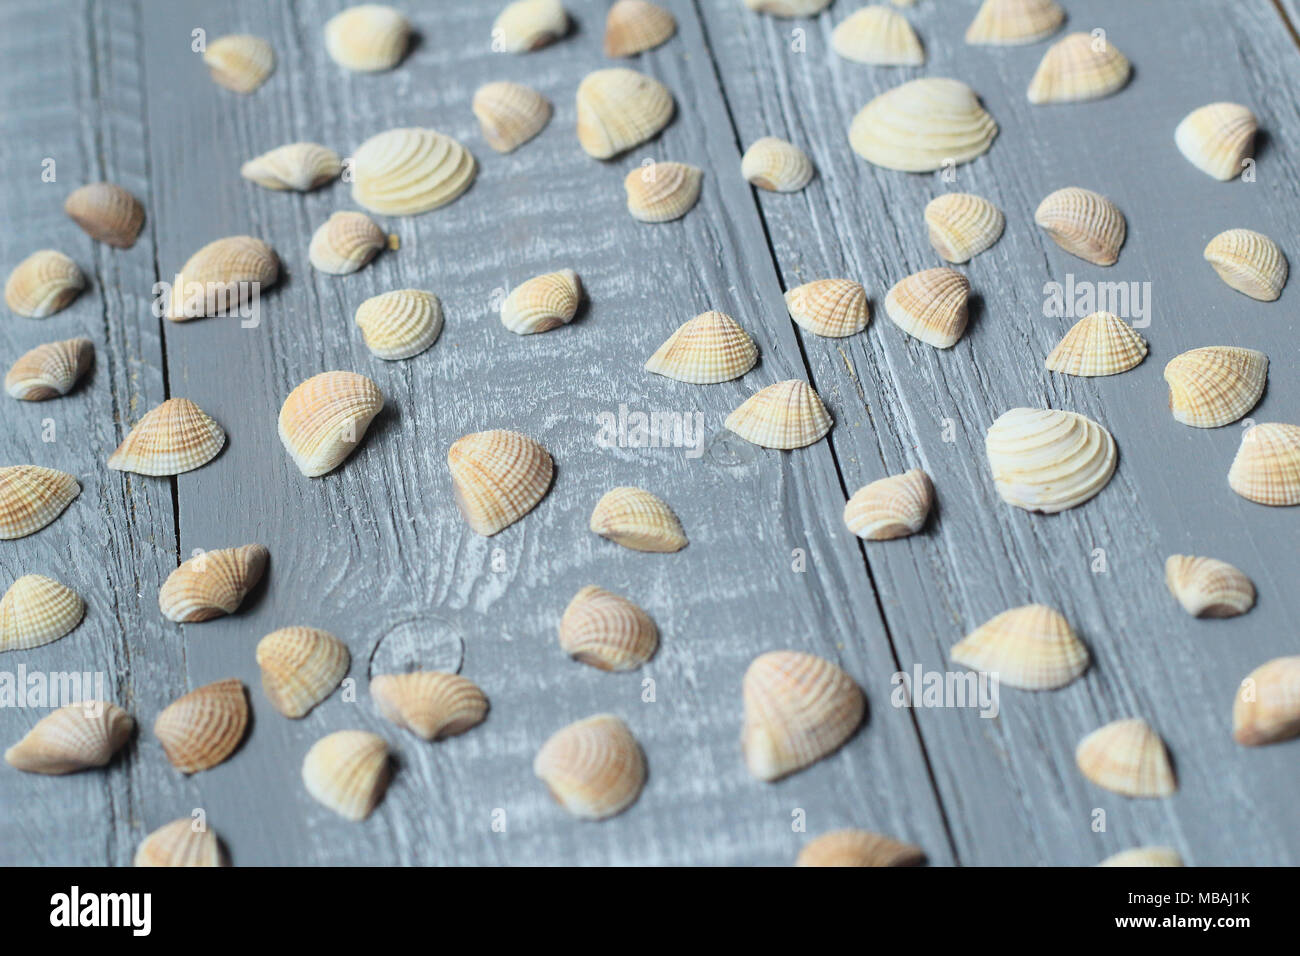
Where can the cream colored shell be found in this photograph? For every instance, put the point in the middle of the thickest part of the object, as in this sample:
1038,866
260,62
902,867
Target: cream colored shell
37,610
301,666
221,277
31,497
297,166
212,583
879,36
1013,22
49,370
1207,587
784,415
1047,460
1084,224
594,768
931,305
527,25
607,631
892,507
42,284
1266,709
1127,757
1218,139
430,704
400,324
240,62
185,842
830,307
619,109
498,477
367,38
923,125
1031,647
858,848
1267,467
788,8
542,303
637,519
324,419
345,242
348,772
510,114
712,347
74,737
175,437
662,191
1215,385
1098,344
776,165
962,225
1144,856
1079,67
402,172
1250,262
106,212
633,26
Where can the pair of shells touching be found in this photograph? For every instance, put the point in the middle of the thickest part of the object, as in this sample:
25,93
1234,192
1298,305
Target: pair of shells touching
240,62
31,497
842,848
923,125
222,276
637,520
1048,460
72,738
593,768
367,38
528,25
1266,468
1079,67
323,420
878,36
345,242
37,610
44,283
49,370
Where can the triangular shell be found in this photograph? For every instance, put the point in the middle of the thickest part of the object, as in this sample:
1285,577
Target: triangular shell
1079,67
37,610
297,166
877,35
175,437
788,8
42,284
1267,706
858,848
1084,224
240,62
527,25
400,324
1047,460
345,242
784,415
1267,466
962,225
798,709
594,768
106,212
1098,344
1031,647
72,738
1218,139
368,38
1127,757
633,26
498,477
1013,22
1145,856
923,125
1215,385
179,843
1207,587
776,165
222,276
607,631
49,370
542,303
619,109
661,192
402,172
203,728
31,497
211,584
830,307
712,347
348,772
1250,262
892,507
301,666
324,419
636,519
931,305
510,114
430,704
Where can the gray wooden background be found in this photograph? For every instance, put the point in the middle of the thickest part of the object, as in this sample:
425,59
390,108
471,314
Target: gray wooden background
112,90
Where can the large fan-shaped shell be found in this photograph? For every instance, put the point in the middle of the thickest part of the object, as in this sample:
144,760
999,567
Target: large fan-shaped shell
222,276
931,305
430,704
661,192
1127,757
923,125
240,62
106,212
858,848
211,584
498,477
632,26
619,109
1079,67
776,165
712,347
1215,385
72,738
400,324
368,38
607,631
1267,466
402,172
510,114
1098,344
298,166
1031,647
324,419
348,772
180,843
1013,22
1047,460
527,25
1207,587
892,507
1250,262
49,370
37,610
830,307
784,415
788,8
31,497
345,242
963,225
175,437
877,35
1267,706
636,519
1218,139
594,768
1084,224
203,728
301,666
1145,856
43,283
542,303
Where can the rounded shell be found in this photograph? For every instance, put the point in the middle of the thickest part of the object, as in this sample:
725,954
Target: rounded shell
184,842
498,477
1267,466
403,172
661,192
203,728
776,165
962,225
527,25
367,38
345,242
75,737
42,284
324,419
49,370
37,610
1207,587
400,324
879,36
788,8
1218,139
1215,385
348,772
301,666
510,114
1250,262
1084,224
1031,647
1127,757
923,125
830,307
594,768
175,437
212,583
1079,67
1267,706
542,303
636,519
430,704
892,507
858,848
1013,22
607,631
1098,344
1047,460
106,212
240,62
931,305
297,166
784,415
1144,856
222,276
31,497
710,348
619,109
633,26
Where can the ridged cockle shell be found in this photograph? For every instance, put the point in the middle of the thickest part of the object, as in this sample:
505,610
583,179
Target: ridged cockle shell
106,212
175,437
297,166
1207,587
712,347
594,768
858,848
527,25
49,370
922,125
1098,344
510,114
1047,460
37,610
345,242
1031,647
42,284
931,306
1267,466
240,62
607,631
1215,385
636,519
203,728
183,842
962,225
430,704
619,109
31,497
1013,22
1267,706
1218,139
403,172
632,26
75,737
1250,262
785,415
301,666
367,38
324,419
892,507
542,303
221,277
348,772
1127,757
212,583
498,477
830,307
400,324
1084,224
879,36
661,192
776,165
1079,67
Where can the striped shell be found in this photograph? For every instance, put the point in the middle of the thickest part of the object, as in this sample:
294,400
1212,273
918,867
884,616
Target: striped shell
324,419
776,165
607,631
712,347
633,26
203,728
892,507
301,666
858,848
240,62
37,610
1079,67
49,370
297,166
175,437
72,738
1046,460
877,35
1267,466
212,583
180,843
527,25
1084,224
31,497
345,242
962,225
784,415
348,772
106,212
542,303
1013,22
1145,856
1250,262
498,477
510,114
1267,706
1127,757
400,324
1098,344
1218,139
594,768
830,307
923,125
430,704
638,520
788,8
661,192
1207,587
42,284
931,305
619,109
367,38
1215,385
222,276
1031,647
402,172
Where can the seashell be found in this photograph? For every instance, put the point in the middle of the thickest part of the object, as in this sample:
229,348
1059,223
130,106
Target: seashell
402,172
858,848
1046,460
498,477
1250,262
400,324
72,738
1267,466
922,126
777,166
345,242
607,631
183,842
962,225
619,109
175,437
1079,67
638,520
240,62
430,704
1218,139
633,26
31,497
1098,344
510,114
594,768
1145,856
798,709
203,728
222,276
931,305
1206,587
42,284
661,192
528,25
348,772
542,303
49,370
878,35
1031,647
212,583
1215,385
1013,22
301,666
789,8
785,415
893,507
107,213
709,348
298,166
367,38
1084,224
830,307
37,610
1127,757
324,419
1267,707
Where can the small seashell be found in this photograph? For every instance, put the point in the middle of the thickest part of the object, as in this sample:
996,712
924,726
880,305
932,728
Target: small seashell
542,303
498,477
1215,385
367,38
49,370
348,772
222,276
1079,67
962,225
931,305
1084,224
607,631
1098,344
1013,22
37,610
1145,856
709,348
183,842
923,125
830,307
1250,262
661,192
798,709
298,166
240,62
1047,460
175,437
1127,757
42,284
301,666
345,242
400,324
1206,587
31,497
212,583
528,25
324,419
1267,466
430,704
638,520
203,728
1218,139
594,768
402,172
777,166
72,738
878,35
510,114
893,507
785,415
789,8
619,109
107,213
1267,706
858,848
1031,647
633,26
